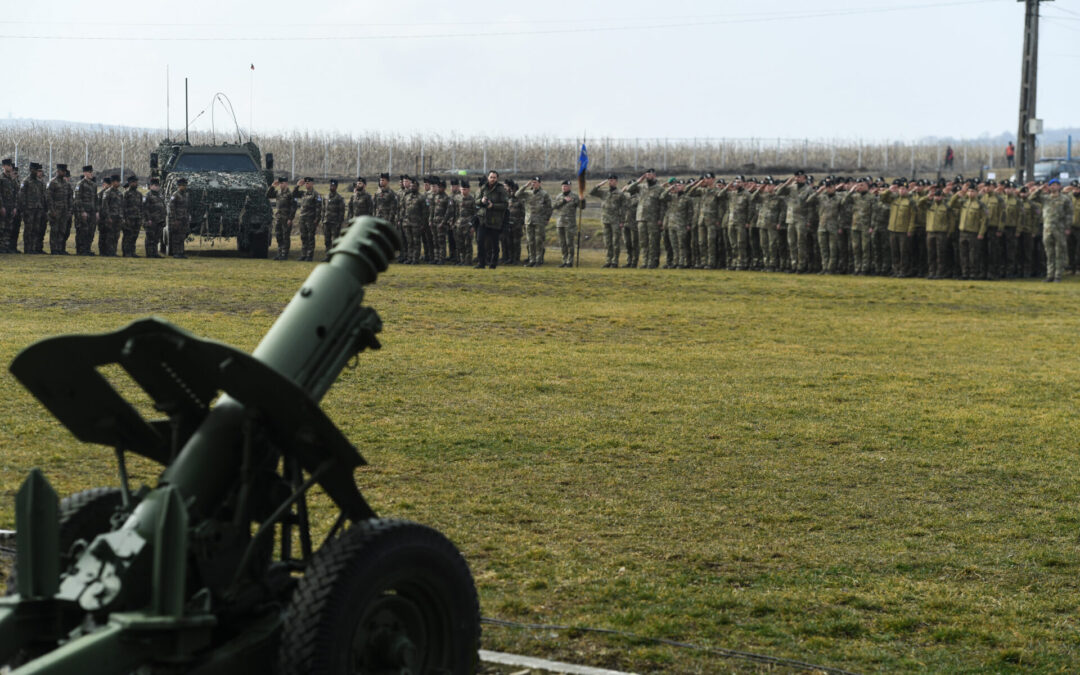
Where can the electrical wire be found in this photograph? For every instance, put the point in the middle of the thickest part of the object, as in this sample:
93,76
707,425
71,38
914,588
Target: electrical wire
724,20
717,651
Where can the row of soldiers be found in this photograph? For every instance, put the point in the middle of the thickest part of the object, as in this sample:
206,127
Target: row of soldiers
32,206
961,228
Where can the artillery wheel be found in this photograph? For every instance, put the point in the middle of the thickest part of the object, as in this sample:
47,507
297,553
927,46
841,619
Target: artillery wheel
259,245
385,596
83,515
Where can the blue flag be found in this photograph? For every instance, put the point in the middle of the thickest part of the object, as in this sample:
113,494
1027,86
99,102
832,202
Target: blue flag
582,161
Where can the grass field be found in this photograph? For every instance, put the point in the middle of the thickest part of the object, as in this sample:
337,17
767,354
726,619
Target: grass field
873,474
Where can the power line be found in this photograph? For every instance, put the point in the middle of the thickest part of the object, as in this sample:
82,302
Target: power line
727,20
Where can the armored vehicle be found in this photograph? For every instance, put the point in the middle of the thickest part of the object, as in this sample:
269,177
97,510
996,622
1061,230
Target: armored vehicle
227,190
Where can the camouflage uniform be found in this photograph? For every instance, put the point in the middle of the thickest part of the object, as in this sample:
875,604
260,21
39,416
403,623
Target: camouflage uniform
972,226
333,218
862,210
991,243
490,222
360,204
567,206
738,226
712,205
384,205
538,210
33,203
648,219
828,231
154,213
179,220
795,198
879,236
440,211
85,216
769,214
309,213
132,220
901,231
9,202
630,232
465,210
1025,232
283,216
61,197
414,217
111,215
679,214
611,215
1010,221
1057,217
937,229
516,212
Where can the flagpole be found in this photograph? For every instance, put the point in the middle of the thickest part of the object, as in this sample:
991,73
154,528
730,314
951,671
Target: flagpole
251,102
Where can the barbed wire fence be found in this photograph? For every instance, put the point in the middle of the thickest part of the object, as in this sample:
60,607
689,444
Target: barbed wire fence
324,156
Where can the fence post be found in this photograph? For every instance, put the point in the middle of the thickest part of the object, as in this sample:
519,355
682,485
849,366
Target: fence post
723,154
453,157
545,155
421,157
485,157
515,156
607,154
122,162
358,159
50,160
636,154
292,160
832,156
86,152
326,159
859,161
886,158
805,143
16,154
389,159
965,158
665,154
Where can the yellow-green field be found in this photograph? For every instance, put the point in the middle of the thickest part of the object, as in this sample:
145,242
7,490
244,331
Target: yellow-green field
873,474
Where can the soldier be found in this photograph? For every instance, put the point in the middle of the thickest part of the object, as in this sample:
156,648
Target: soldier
703,191
566,204
333,215
384,202
861,200
1011,214
426,240
972,227
9,206
451,227
843,230
154,214
679,214
516,226
879,234
133,217
538,211
828,205
1057,218
465,209
85,212
493,201
179,219
937,228
739,222
33,204
61,198
283,213
629,228
991,240
414,217
440,212
309,213
770,210
1025,235
795,192
111,215
902,209
611,215
648,190
361,203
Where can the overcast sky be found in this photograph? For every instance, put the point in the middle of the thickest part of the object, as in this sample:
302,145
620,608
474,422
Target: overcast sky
878,69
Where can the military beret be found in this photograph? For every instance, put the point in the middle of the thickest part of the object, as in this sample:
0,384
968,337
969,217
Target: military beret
464,182
612,176
671,180
87,168
740,178
7,162
710,174
454,181
538,179
61,167
115,178
1075,183
721,181
333,182
283,179
34,166
182,181
384,175
133,178
650,170
1024,189
155,181
510,183
800,172
1053,181
403,176
309,179
429,179
361,179
566,182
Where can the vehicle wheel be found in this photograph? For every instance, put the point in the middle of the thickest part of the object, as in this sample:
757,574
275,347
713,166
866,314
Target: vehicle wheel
259,244
83,515
385,596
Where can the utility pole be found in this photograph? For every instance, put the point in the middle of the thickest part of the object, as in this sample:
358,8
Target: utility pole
1029,69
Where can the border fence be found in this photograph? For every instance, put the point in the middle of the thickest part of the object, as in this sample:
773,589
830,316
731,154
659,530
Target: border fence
116,149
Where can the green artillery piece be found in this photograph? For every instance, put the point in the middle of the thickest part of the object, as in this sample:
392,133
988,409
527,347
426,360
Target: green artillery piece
215,570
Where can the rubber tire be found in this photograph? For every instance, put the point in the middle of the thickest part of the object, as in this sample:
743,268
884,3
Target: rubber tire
259,245
83,515
368,563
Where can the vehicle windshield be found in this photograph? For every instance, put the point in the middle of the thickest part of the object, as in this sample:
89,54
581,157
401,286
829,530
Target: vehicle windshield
1046,168
196,161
